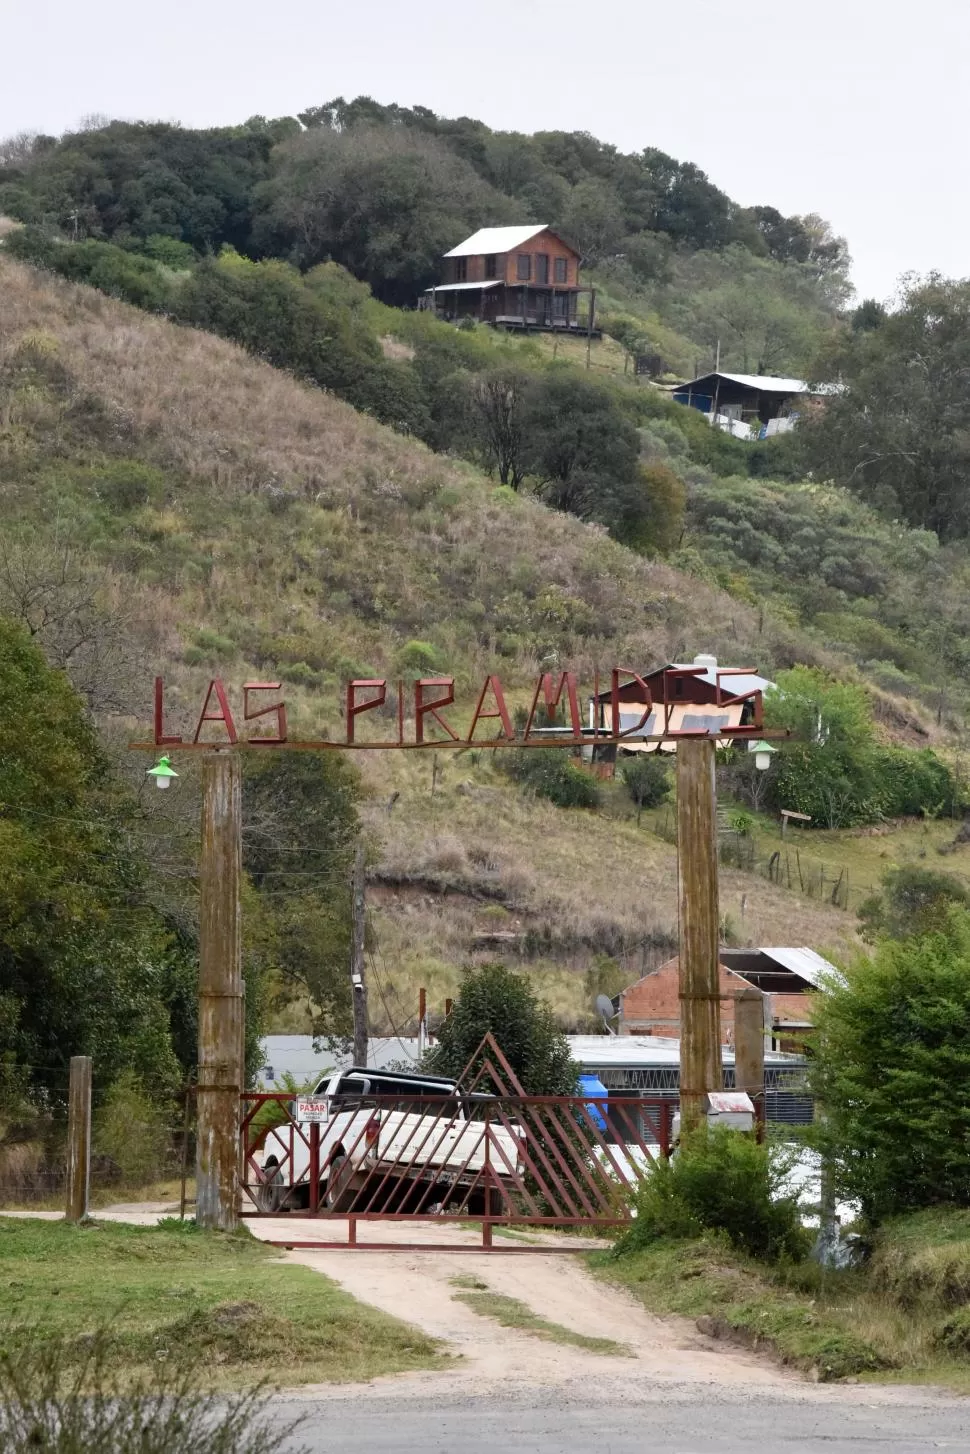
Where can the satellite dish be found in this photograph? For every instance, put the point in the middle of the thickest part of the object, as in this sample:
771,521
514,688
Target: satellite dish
604,1008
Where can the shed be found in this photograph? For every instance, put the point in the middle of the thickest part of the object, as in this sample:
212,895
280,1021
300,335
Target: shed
751,399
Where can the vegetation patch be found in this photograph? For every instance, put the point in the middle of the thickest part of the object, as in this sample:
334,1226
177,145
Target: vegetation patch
511,1313
226,1303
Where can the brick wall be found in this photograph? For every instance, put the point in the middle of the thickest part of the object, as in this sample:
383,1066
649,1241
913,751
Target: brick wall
652,1005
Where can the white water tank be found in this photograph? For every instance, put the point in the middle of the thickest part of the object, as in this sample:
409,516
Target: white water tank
705,660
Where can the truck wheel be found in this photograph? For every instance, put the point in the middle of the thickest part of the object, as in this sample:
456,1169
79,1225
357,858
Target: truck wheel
339,1196
269,1193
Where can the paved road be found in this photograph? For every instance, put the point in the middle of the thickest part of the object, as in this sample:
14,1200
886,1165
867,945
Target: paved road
686,1421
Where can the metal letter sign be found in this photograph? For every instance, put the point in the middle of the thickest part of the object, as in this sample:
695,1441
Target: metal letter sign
422,724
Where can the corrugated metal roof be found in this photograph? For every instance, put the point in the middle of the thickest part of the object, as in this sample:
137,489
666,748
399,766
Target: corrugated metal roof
765,383
496,240
630,1052
464,287
731,685
804,962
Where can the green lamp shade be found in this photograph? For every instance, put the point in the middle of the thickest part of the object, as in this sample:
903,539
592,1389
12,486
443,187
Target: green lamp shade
162,772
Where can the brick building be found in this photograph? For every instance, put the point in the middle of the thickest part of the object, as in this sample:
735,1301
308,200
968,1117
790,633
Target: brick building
787,978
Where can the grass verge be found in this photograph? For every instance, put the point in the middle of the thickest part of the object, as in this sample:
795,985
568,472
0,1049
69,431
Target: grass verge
226,1303
902,1317
510,1313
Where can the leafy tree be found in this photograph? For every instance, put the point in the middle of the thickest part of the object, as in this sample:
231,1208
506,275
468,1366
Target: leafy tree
580,446
498,400
494,999
913,901
551,775
891,1052
646,778
82,960
300,828
896,433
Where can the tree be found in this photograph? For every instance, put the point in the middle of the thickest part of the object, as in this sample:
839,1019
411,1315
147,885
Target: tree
498,398
646,778
891,1052
494,999
896,432
83,958
300,827
580,445
913,901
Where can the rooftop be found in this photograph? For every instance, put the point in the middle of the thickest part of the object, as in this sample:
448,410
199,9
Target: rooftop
763,383
489,240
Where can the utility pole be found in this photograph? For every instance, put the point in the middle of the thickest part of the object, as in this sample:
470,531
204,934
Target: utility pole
700,1011
749,1047
78,1139
220,993
358,983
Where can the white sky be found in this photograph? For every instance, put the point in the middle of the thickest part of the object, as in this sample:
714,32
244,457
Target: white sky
857,109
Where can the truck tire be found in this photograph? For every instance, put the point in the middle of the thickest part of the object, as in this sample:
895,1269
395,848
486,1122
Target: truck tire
270,1193
339,1195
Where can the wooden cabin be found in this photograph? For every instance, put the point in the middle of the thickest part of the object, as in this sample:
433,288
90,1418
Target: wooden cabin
512,277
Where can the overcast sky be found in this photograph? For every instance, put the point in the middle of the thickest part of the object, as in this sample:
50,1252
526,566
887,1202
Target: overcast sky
856,109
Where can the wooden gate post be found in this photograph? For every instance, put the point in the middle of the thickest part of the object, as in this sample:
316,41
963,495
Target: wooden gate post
220,993
78,1139
700,1011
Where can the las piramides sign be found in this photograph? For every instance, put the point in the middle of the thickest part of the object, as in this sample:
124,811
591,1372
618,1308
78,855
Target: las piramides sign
254,714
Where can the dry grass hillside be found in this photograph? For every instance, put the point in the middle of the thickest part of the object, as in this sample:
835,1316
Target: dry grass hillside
272,529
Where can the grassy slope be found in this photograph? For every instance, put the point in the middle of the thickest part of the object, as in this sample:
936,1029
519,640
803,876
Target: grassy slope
904,1316
290,530
227,1304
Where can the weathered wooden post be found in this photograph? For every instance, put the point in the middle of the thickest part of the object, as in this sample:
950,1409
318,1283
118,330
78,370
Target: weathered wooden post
220,993
749,1047
78,1139
700,1011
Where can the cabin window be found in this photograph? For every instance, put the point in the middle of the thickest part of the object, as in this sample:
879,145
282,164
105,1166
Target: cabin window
542,269
523,270
461,269
491,270
562,270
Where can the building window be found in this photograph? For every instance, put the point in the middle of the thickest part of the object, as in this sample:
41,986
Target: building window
461,269
523,270
542,269
490,267
562,270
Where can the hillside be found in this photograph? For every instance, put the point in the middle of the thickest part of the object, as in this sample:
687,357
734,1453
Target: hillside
232,519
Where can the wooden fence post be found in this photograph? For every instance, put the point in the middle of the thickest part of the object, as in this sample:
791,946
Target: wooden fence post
79,1139
749,1047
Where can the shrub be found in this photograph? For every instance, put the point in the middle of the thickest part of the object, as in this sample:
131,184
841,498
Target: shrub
417,656
719,1181
891,1056
646,778
131,1129
551,775
51,1400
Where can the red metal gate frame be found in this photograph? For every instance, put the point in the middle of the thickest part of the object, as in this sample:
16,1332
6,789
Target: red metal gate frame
566,1173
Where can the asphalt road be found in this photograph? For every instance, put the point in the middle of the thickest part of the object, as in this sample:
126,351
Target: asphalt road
688,1421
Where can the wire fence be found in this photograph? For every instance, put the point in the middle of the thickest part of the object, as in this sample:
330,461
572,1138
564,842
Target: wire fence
789,865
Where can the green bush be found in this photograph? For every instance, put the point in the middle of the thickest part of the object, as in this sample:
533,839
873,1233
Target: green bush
551,775
646,778
890,1064
718,1181
417,656
131,1129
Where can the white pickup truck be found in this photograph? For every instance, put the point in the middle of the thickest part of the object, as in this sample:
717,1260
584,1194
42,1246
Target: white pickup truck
389,1140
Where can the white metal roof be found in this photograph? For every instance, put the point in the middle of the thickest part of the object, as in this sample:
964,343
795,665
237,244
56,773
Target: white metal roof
295,1055
464,287
804,962
731,685
496,240
633,1051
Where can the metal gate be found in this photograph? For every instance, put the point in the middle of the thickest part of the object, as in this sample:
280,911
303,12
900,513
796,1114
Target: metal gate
468,1157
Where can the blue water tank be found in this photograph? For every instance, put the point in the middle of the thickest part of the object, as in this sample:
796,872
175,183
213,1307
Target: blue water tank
591,1085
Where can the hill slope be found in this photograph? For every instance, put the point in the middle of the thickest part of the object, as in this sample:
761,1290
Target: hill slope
242,523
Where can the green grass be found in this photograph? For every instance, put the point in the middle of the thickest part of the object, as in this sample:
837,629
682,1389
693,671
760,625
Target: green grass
509,1312
225,1303
904,1316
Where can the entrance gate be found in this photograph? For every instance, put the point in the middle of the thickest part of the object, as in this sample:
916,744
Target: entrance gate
484,1158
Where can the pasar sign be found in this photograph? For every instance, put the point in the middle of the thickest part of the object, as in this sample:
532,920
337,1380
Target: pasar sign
424,725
